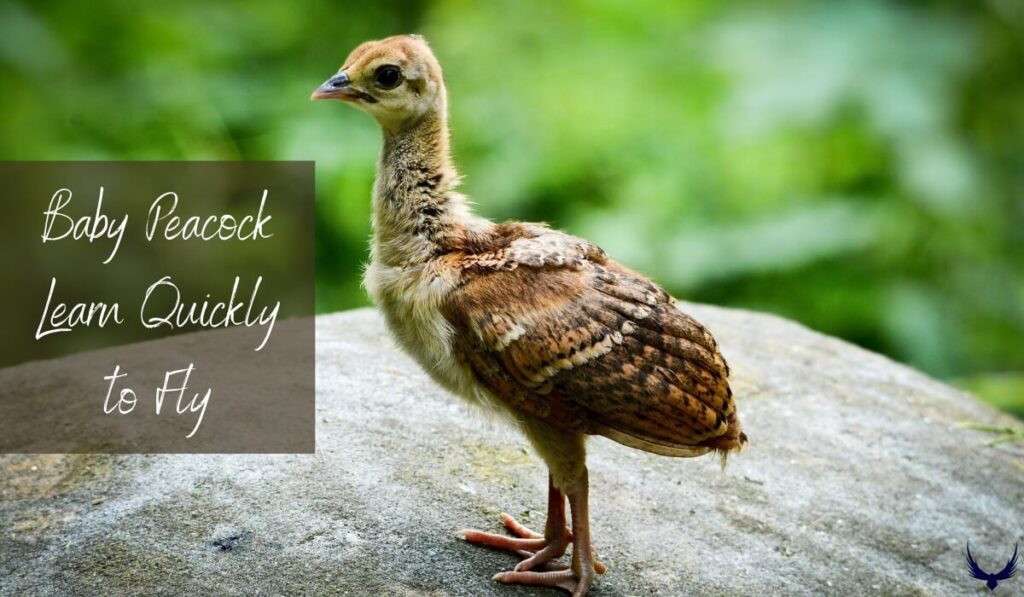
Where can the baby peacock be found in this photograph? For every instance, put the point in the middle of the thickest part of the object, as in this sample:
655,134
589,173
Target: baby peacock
523,319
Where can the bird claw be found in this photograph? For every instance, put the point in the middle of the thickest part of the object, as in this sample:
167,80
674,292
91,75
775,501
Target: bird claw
525,532
561,579
538,567
526,542
521,530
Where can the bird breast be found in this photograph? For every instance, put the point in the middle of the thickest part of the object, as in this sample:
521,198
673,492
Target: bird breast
410,297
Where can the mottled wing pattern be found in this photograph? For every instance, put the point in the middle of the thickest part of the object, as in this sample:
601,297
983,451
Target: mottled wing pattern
556,330
538,247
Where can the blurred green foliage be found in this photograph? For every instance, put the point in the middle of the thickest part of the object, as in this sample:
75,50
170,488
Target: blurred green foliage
856,166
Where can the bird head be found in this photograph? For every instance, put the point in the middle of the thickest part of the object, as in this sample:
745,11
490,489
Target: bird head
396,80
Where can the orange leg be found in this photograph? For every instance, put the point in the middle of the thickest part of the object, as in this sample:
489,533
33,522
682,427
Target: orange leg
536,548
539,550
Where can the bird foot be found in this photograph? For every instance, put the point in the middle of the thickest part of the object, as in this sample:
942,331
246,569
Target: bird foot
538,552
534,547
557,579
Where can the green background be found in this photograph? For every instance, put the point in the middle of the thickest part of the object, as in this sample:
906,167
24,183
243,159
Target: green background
856,166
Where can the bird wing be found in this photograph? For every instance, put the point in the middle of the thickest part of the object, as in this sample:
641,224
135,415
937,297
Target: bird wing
556,330
974,568
1010,569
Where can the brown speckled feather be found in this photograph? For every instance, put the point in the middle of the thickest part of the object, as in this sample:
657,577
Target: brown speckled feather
556,330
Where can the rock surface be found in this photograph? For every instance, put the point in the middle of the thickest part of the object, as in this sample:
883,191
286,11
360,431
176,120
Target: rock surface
858,479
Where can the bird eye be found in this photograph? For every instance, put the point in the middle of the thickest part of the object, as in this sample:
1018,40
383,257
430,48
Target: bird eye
388,77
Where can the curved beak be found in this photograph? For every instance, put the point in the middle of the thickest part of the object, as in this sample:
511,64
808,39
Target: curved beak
337,87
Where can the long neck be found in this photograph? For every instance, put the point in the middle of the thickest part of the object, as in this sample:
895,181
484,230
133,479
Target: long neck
417,214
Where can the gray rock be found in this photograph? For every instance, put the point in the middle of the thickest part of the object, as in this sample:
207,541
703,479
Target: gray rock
858,479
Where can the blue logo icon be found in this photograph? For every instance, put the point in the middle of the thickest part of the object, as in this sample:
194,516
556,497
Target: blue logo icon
992,580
